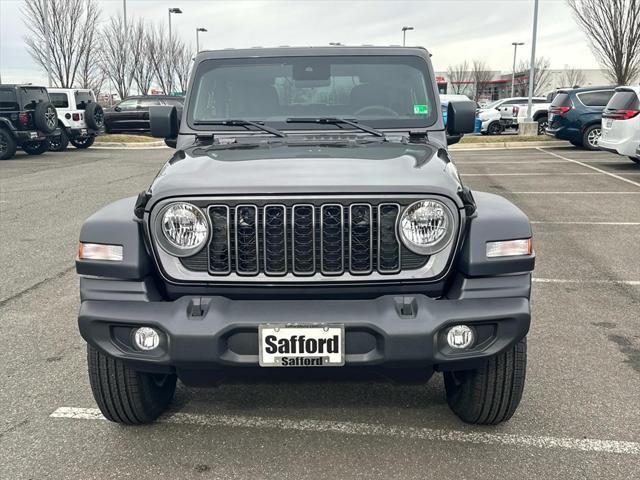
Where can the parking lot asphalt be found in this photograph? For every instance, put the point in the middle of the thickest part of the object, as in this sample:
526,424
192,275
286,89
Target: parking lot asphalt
579,417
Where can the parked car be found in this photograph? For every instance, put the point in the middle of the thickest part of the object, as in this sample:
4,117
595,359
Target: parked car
28,120
621,123
295,227
576,115
509,109
539,113
490,122
132,113
80,118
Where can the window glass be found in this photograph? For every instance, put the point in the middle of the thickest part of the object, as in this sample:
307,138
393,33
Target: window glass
595,99
149,102
561,100
83,99
381,91
8,99
59,100
31,96
177,102
128,104
625,100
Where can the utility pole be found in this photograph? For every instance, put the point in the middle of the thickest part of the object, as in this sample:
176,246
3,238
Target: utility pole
533,61
404,35
47,34
513,75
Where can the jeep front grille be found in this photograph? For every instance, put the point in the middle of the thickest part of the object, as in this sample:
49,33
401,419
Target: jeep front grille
303,239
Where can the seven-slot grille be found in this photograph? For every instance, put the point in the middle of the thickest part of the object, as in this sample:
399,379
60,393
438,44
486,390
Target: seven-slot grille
304,239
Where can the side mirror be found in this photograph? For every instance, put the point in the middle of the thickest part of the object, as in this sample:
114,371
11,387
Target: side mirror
117,109
163,120
461,117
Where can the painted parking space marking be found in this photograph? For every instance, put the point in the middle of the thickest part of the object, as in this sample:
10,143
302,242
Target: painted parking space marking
634,283
571,193
578,162
560,222
536,174
368,429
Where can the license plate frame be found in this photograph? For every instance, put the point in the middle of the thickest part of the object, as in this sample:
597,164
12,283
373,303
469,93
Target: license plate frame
301,359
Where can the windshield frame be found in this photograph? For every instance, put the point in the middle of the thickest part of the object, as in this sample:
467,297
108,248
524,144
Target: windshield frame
413,60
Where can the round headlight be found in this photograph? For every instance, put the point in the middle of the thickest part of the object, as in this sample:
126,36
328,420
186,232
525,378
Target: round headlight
426,227
183,229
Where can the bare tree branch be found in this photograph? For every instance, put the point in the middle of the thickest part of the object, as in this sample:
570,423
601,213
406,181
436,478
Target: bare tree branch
572,77
459,77
72,25
142,68
183,64
613,31
481,75
541,77
116,60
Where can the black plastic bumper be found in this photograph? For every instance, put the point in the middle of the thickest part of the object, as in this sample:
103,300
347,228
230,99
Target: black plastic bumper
215,332
81,132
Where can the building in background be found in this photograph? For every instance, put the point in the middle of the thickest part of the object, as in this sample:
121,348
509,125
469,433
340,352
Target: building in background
499,86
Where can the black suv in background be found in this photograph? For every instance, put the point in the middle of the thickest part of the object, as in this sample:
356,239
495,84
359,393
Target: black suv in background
28,120
576,115
132,113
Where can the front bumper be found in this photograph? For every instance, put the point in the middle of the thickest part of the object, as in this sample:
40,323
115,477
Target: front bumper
215,332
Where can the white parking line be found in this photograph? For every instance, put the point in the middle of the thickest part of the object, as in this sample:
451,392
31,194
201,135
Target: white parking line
536,174
367,429
577,162
573,193
634,283
552,222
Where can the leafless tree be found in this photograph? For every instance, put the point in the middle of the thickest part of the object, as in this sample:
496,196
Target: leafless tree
183,59
116,60
613,30
162,52
541,77
572,77
90,73
71,34
459,77
142,68
481,76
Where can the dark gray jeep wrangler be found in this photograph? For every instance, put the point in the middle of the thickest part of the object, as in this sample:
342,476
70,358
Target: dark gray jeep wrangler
311,216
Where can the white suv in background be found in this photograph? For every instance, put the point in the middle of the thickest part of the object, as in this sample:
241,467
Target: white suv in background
80,118
621,123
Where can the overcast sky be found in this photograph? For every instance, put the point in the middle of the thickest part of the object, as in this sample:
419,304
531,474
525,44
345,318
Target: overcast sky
452,30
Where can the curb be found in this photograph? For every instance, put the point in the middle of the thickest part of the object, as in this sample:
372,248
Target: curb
506,145
134,146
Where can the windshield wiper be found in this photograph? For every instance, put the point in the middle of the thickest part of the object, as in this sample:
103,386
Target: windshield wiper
244,123
336,121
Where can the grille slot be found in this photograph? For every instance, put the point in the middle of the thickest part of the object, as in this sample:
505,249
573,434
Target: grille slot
304,239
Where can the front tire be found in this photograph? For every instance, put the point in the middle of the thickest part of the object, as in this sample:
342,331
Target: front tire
495,128
83,142
489,395
125,395
635,159
36,148
543,123
7,145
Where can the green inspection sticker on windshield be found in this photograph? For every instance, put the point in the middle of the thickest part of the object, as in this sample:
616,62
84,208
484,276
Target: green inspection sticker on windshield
421,109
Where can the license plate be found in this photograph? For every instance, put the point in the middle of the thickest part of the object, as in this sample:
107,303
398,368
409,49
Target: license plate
83,131
608,123
33,135
301,345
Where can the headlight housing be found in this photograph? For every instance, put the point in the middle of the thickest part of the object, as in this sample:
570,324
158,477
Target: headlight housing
426,227
182,229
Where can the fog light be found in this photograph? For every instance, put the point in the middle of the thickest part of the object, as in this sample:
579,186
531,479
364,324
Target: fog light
460,336
146,338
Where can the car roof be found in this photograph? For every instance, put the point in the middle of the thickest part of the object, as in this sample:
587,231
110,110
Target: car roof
337,50
15,85
133,97
586,89
634,88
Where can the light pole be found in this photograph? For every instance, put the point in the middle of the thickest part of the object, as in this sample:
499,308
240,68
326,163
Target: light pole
404,35
47,34
172,10
124,14
532,66
513,75
198,30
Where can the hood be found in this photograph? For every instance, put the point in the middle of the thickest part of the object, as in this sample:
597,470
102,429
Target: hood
376,168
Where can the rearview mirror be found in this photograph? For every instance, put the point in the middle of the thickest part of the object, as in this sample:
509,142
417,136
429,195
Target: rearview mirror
461,117
163,120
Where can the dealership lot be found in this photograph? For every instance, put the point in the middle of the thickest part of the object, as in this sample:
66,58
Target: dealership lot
579,416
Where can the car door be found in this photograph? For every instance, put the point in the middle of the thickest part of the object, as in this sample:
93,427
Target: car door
124,116
143,111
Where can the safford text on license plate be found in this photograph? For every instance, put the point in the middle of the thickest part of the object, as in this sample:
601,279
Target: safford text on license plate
301,345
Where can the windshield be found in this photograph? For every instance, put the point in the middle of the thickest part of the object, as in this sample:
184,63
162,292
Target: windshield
493,104
380,91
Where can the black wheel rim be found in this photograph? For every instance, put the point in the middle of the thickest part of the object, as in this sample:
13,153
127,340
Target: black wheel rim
4,146
542,126
55,142
99,118
82,141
